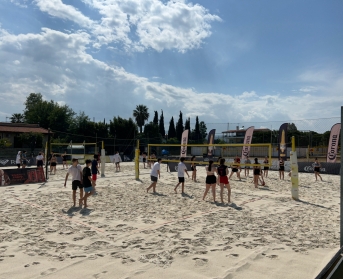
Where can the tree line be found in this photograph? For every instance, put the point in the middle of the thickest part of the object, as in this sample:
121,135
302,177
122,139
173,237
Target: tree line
66,125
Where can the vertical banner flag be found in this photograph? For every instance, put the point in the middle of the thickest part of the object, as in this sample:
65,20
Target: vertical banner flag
247,140
282,141
333,143
210,140
184,140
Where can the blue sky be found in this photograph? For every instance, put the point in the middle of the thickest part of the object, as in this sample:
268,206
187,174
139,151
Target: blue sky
223,60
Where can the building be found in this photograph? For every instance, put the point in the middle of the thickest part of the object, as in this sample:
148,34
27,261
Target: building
237,136
12,132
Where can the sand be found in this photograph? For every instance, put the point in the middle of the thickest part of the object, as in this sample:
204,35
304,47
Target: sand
127,233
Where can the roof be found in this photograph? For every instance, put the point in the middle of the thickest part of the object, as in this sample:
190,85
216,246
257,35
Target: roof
6,127
244,130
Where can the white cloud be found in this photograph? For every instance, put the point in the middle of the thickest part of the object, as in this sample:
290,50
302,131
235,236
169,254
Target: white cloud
20,3
138,25
57,65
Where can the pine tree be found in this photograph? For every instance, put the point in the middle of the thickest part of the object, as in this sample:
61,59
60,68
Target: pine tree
196,135
161,125
179,127
171,131
188,124
155,121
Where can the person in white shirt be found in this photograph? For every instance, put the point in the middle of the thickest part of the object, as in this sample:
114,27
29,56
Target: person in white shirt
117,160
154,174
18,159
181,170
40,160
76,173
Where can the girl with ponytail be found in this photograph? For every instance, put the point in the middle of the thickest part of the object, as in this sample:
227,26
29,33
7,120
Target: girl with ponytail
210,180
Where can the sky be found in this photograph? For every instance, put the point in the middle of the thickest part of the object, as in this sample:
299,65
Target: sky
226,61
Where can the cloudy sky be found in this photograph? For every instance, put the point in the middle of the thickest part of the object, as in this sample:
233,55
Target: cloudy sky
225,60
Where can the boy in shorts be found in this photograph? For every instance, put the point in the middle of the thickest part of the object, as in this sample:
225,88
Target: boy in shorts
87,183
94,170
181,170
76,174
155,174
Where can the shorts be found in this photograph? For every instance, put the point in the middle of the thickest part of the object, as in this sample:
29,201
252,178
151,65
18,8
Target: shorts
18,165
88,189
266,168
94,177
223,179
39,163
53,164
181,179
24,162
282,168
75,184
316,169
247,167
193,168
144,160
117,163
235,170
153,178
257,172
211,179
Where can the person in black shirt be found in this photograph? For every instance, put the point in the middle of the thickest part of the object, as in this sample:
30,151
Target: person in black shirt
64,159
94,170
87,183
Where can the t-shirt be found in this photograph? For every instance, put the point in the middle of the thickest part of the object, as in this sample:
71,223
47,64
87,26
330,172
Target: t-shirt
154,170
222,170
117,158
181,169
75,172
39,158
94,166
18,159
86,172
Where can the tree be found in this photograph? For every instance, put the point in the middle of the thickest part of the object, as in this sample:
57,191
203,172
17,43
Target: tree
161,125
188,124
141,115
171,131
17,118
152,133
155,121
179,127
203,130
196,135
31,139
4,142
121,128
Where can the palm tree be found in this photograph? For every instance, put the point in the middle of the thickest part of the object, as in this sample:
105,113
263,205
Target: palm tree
17,118
141,114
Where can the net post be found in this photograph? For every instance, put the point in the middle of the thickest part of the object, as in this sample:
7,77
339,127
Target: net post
103,159
294,172
341,197
137,161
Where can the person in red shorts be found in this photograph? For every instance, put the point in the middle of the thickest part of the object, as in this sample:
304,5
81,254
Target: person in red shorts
95,171
223,171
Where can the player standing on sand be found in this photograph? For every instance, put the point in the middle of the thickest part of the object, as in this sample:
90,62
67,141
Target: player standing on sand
266,168
235,169
18,159
76,174
144,159
94,170
223,171
194,170
181,170
317,167
117,160
210,180
257,172
281,168
64,159
154,174
87,182
247,168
